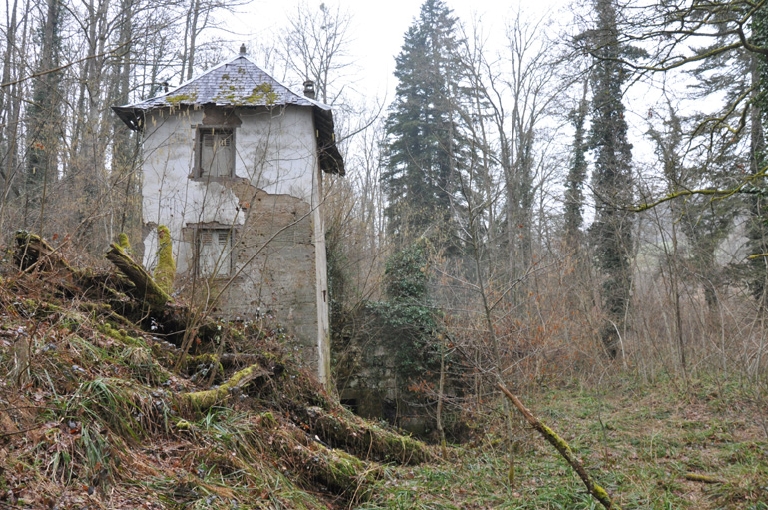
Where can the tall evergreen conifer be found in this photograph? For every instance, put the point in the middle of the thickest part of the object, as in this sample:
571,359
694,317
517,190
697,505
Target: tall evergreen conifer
423,129
757,229
611,231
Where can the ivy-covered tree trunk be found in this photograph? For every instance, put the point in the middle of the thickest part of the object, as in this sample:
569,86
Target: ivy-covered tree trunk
577,173
611,232
757,230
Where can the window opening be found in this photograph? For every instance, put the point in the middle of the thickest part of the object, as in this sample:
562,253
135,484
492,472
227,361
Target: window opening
216,152
214,252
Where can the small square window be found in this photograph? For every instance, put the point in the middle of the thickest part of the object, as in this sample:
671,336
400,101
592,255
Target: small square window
215,154
214,252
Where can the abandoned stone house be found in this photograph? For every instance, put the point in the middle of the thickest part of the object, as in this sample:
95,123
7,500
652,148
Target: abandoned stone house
233,164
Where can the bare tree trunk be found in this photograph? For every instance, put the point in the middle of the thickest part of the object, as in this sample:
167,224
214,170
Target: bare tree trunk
193,17
441,395
44,121
89,173
8,90
474,242
126,216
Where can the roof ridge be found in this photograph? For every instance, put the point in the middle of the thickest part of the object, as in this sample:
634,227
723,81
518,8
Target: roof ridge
194,78
251,86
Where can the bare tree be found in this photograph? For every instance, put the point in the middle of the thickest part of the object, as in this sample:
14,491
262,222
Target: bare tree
44,118
201,15
12,93
316,47
519,90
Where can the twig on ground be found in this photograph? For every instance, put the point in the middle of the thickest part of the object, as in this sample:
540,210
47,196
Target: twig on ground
695,477
561,446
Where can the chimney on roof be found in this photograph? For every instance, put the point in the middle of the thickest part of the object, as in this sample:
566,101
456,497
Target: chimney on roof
243,51
309,89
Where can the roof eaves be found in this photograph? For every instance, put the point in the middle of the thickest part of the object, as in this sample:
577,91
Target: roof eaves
328,153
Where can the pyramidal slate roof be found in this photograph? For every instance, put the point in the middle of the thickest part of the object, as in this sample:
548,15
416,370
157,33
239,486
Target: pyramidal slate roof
239,82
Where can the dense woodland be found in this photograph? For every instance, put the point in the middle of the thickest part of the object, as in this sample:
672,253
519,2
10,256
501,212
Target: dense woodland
586,196
572,207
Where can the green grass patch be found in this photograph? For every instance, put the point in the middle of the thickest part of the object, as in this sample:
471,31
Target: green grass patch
638,443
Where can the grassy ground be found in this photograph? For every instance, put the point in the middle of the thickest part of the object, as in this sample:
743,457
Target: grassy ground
638,442
96,414
95,427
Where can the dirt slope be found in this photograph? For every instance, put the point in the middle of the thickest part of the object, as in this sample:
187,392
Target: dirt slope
100,408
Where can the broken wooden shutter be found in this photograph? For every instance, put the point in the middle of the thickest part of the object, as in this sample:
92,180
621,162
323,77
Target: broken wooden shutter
217,152
214,253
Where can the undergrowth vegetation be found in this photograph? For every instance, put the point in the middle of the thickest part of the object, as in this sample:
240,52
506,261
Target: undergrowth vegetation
96,412
641,441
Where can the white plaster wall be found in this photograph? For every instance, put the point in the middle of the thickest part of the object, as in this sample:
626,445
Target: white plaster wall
275,152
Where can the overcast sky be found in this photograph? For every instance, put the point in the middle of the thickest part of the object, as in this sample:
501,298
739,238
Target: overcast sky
377,28
376,36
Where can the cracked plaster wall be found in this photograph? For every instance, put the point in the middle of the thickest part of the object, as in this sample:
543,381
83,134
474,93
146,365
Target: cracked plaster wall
272,204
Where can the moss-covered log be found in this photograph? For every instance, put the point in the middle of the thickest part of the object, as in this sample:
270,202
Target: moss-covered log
561,446
190,364
342,429
339,471
696,477
106,311
202,400
146,287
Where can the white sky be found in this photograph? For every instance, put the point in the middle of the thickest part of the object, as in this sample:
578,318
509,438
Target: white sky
377,28
377,31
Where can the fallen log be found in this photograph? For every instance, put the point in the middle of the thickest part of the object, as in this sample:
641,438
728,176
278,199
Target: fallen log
146,287
338,471
342,429
128,296
203,400
695,477
561,446
32,251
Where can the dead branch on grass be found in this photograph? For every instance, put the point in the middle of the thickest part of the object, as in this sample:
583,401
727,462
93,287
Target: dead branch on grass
561,446
695,477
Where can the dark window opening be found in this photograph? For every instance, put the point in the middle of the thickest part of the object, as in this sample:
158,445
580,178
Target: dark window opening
215,153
